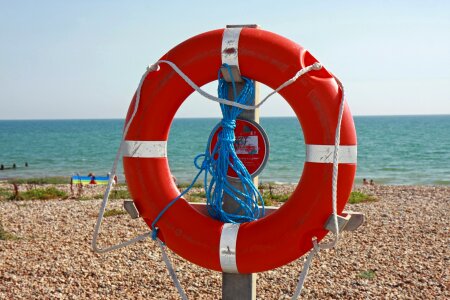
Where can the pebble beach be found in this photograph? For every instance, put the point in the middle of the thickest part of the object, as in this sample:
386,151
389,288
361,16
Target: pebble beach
401,252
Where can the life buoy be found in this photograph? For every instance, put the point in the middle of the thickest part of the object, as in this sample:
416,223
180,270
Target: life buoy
282,236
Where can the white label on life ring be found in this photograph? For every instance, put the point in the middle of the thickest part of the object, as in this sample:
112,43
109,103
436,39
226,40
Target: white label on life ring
144,149
324,154
227,247
230,42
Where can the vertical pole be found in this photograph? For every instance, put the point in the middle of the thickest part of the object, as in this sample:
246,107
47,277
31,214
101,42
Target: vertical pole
240,286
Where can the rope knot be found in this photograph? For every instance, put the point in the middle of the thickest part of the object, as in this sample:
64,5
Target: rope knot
153,68
316,66
228,124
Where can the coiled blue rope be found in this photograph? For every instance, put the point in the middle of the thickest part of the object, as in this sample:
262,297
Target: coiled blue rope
217,162
224,157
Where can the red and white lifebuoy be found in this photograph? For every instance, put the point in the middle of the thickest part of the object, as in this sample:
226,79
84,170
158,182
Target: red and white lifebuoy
282,236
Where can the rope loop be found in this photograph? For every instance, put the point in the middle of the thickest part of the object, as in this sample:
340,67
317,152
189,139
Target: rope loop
205,163
334,185
155,233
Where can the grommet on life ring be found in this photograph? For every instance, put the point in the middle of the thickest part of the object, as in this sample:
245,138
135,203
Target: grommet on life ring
282,236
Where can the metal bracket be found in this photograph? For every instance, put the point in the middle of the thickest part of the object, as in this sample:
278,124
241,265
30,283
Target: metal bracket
230,48
350,222
131,209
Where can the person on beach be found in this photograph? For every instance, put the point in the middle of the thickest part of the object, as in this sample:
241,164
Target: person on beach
71,185
365,182
115,180
92,175
174,179
372,182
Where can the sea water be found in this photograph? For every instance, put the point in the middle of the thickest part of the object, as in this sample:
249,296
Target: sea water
391,149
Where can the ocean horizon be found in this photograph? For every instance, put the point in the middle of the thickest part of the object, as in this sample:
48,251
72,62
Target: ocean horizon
397,149
177,117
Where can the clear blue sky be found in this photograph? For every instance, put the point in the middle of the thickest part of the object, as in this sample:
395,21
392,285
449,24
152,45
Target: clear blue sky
83,59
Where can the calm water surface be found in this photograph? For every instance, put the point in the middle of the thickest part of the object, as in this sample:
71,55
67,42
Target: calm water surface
391,149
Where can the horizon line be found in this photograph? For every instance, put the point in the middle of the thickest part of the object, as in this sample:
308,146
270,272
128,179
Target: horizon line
80,119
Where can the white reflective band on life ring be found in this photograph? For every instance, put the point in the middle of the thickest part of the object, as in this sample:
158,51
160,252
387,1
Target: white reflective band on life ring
144,149
227,248
230,41
324,154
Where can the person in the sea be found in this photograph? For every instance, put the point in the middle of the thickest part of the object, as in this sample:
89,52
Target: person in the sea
365,182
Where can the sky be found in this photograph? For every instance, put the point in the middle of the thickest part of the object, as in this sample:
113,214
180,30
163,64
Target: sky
84,59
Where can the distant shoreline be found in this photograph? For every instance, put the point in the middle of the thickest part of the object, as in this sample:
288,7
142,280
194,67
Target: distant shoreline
61,180
66,179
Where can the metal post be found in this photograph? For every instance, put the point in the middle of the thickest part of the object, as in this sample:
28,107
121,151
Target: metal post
240,286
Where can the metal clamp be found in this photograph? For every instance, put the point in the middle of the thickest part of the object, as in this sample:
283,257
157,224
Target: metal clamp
230,48
131,209
350,222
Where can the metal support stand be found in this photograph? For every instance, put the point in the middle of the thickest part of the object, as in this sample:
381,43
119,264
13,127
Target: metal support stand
240,286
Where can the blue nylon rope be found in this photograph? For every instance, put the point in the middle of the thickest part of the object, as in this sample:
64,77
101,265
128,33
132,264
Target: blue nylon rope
224,157
217,162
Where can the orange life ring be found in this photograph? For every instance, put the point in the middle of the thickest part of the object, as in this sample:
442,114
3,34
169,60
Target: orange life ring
282,236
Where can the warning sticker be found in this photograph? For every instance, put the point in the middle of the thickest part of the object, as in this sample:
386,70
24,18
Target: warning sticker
251,146
246,144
